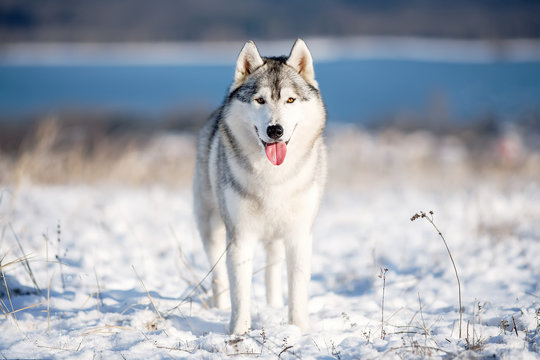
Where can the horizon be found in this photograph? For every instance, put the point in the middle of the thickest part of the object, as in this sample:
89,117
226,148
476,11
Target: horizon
324,49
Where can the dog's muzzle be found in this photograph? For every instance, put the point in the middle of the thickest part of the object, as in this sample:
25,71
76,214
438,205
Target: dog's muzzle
277,150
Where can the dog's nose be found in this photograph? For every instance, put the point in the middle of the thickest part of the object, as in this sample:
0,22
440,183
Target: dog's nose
275,131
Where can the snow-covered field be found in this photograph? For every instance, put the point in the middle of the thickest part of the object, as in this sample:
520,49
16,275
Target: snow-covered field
118,266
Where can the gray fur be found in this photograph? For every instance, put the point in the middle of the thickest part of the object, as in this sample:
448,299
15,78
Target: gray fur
276,75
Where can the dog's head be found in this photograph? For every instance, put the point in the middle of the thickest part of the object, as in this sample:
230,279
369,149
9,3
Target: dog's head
275,96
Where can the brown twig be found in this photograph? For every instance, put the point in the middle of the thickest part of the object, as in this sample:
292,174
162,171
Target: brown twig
515,325
284,349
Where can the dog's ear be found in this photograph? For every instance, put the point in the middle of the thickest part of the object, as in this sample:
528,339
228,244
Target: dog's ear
300,60
248,61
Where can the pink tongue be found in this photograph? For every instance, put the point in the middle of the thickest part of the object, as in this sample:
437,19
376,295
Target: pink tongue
276,152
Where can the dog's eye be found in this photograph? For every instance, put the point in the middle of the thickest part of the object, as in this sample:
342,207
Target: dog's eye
260,100
290,100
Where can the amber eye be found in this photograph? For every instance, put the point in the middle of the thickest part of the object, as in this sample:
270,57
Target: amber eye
260,100
290,100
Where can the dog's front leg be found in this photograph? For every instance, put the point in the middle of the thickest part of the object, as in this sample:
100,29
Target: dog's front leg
298,254
274,263
240,268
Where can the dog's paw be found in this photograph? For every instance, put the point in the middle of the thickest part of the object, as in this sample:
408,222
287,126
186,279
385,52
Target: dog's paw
302,323
238,327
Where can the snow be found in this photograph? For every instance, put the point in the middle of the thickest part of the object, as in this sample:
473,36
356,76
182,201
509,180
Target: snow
130,258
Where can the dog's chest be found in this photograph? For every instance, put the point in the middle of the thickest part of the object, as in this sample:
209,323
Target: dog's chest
273,211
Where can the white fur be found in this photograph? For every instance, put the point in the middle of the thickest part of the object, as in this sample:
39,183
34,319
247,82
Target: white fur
289,198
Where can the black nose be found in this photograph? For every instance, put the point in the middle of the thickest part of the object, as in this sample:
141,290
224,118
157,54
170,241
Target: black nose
275,131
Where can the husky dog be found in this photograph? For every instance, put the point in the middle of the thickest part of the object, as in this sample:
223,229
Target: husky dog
260,173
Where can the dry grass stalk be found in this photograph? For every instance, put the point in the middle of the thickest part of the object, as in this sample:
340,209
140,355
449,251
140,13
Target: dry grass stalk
58,240
430,220
193,283
7,290
90,296
382,275
282,348
59,348
46,238
12,262
5,310
99,298
187,350
193,289
4,307
149,297
473,343
49,306
25,262
423,325
26,308
424,351
106,329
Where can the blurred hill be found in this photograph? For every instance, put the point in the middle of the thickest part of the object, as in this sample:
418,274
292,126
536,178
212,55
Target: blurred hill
194,20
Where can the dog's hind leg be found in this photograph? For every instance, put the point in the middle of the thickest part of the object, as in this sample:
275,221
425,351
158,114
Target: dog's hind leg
214,241
275,257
